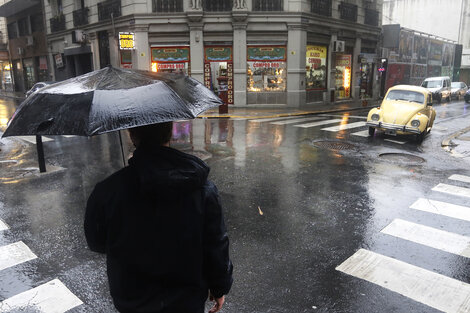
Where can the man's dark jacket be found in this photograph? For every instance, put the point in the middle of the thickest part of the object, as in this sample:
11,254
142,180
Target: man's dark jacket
160,223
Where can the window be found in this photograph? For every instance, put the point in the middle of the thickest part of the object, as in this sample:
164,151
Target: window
23,29
348,11
167,6
267,68
217,5
322,7
268,5
406,95
12,30
37,23
316,67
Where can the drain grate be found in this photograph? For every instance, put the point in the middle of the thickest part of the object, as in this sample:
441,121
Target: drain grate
402,158
334,145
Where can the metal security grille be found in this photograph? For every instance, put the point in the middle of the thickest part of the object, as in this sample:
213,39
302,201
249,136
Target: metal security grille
322,7
217,5
334,145
371,17
268,5
57,23
107,7
80,17
348,11
167,6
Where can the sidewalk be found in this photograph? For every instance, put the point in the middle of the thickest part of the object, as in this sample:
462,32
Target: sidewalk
254,111
458,144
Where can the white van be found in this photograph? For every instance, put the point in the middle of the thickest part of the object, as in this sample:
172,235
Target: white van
439,86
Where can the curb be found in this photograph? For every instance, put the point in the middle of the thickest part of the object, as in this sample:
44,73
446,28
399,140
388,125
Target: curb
446,141
284,114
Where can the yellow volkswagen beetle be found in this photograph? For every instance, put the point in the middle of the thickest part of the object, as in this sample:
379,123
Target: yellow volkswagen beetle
405,110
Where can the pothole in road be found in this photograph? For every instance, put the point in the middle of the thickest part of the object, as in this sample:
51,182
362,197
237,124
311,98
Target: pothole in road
334,145
402,158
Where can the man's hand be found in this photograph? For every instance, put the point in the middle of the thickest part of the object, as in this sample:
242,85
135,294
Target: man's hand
219,302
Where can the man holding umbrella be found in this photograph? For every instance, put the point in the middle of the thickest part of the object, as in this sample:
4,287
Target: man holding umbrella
160,223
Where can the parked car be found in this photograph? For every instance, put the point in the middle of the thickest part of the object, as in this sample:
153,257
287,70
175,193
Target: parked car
458,90
37,86
439,86
467,96
405,110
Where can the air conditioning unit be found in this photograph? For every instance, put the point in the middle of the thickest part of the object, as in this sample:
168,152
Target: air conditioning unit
20,51
338,46
29,41
78,36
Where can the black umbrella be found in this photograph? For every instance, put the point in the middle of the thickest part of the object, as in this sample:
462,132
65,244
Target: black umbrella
110,99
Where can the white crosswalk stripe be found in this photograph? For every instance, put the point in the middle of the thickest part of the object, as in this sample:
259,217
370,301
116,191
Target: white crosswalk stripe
345,116
52,297
442,208
319,123
262,120
344,126
32,139
430,237
362,133
453,190
14,254
3,226
430,288
298,120
462,178
396,141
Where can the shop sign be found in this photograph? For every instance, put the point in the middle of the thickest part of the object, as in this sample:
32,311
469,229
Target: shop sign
58,60
343,60
42,63
173,54
267,64
4,55
435,52
218,54
261,53
172,66
126,41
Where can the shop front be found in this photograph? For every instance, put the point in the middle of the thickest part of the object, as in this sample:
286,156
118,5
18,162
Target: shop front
218,71
171,60
367,70
316,72
266,75
343,65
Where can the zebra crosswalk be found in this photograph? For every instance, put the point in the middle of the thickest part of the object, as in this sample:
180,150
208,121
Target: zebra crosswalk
50,297
427,287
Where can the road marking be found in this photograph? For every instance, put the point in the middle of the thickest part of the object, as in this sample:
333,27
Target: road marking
453,190
14,254
362,133
442,208
465,179
308,125
424,286
3,226
396,141
51,297
345,116
430,237
32,139
344,126
261,120
298,120
69,136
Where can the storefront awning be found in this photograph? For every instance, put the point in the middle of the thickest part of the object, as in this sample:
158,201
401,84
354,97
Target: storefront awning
77,50
15,6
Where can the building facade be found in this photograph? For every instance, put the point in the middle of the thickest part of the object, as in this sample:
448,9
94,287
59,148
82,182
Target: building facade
283,52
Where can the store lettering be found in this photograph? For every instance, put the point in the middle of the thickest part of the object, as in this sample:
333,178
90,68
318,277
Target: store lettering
267,64
163,66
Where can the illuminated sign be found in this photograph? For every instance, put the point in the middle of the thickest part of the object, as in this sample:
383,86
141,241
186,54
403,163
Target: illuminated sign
347,80
126,41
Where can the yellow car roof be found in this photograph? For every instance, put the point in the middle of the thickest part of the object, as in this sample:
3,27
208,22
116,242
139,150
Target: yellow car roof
410,88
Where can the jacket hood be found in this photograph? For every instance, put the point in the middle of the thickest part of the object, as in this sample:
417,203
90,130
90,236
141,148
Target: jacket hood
166,168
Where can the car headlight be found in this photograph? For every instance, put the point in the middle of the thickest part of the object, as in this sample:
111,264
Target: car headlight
375,117
415,123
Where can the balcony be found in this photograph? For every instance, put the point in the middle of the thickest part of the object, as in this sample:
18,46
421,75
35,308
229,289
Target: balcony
80,17
371,17
106,8
268,5
321,7
217,5
348,11
57,23
167,6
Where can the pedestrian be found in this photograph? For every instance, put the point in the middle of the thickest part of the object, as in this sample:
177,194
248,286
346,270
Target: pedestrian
160,223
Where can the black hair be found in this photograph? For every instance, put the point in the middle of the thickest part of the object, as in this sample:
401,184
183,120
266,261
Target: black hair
154,134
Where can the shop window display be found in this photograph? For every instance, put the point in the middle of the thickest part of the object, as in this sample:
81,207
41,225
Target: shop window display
266,69
316,67
171,59
343,76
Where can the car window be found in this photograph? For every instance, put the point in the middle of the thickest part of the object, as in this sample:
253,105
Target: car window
456,85
406,95
432,84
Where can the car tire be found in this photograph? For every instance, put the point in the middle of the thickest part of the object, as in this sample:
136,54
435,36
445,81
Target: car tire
448,98
439,99
371,131
420,137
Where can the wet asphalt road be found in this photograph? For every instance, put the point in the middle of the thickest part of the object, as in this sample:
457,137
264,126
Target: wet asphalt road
295,210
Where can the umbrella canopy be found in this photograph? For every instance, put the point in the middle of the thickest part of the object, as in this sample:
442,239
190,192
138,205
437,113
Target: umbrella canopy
110,99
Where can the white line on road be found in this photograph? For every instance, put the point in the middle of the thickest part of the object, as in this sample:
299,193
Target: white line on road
298,120
308,125
453,190
3,226
465,179
432,289
51,297
345,116
430,237
442,208
69,136
14,254
396,141
32,139
261,120
344,126
362,133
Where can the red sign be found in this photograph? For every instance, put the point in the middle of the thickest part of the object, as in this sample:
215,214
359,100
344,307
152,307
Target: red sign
172,66
267,64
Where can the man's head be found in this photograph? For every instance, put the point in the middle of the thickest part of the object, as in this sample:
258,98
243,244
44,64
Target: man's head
155,134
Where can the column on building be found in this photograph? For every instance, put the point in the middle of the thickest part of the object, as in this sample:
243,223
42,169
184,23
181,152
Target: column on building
331,84
141,54
114,48
356,73
95,49
296,51
239,55
196,39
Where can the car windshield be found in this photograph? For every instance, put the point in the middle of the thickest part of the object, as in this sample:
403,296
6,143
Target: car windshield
455,85
406,95
432,84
